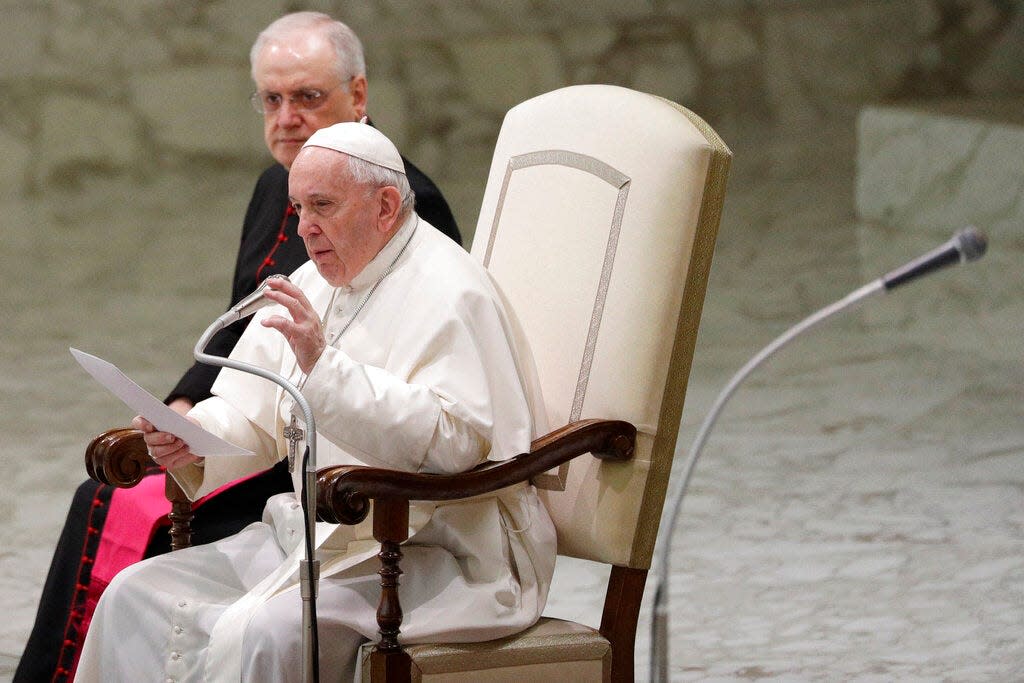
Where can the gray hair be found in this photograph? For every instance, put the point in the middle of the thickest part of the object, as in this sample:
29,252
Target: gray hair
348,50
373,176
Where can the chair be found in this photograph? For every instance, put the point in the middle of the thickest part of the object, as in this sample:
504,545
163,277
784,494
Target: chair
598,226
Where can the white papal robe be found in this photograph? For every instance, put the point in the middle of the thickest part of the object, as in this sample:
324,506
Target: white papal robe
428,377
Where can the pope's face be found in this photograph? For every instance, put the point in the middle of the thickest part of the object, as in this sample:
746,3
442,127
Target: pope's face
338,219
291,71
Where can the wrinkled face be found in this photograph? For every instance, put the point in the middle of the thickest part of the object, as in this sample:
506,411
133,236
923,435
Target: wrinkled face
289,71
338,219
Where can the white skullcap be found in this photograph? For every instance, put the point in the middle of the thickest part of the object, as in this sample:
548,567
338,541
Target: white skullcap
359,140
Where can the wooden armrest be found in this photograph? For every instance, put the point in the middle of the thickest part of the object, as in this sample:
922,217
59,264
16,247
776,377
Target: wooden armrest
343,493
118,457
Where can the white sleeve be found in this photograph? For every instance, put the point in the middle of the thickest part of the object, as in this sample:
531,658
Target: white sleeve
386,421
219,417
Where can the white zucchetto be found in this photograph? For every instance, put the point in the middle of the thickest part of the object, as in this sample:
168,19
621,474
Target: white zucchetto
359,140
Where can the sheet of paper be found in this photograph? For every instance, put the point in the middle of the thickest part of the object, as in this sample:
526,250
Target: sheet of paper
200,441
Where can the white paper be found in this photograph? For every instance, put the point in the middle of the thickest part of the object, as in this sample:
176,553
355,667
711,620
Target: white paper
200,441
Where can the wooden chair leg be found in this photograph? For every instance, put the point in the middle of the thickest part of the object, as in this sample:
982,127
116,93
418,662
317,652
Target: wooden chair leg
389,663
621,613
181,514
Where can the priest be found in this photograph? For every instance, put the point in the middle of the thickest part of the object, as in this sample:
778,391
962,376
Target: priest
400,342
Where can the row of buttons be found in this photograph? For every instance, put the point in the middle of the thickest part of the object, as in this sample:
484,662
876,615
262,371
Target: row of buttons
175,655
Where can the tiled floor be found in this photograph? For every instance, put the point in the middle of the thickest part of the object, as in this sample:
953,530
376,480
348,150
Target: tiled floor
858,514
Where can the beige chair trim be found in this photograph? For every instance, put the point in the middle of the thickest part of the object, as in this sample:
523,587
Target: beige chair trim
686,336
556,480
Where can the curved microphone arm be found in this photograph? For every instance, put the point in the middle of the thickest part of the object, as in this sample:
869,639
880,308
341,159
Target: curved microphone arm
659,626
968,244
309,574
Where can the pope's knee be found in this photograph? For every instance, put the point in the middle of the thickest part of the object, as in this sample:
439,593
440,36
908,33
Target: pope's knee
273,636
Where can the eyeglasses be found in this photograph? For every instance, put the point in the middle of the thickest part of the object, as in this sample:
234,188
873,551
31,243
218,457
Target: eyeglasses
307,99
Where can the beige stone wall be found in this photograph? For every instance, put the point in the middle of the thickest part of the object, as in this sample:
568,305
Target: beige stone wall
133,90
129,149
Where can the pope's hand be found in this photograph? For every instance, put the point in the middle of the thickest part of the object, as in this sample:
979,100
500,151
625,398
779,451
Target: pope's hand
165,448
303,331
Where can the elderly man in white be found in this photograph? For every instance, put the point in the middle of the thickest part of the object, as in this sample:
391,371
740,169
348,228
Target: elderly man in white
403,348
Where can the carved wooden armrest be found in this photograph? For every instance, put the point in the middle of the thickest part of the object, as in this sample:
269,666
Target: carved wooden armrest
119,457
344,494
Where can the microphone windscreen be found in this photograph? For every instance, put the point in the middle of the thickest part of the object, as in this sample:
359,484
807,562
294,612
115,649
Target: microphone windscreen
971,243
255,300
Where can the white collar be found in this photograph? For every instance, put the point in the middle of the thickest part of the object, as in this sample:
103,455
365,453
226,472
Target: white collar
385,258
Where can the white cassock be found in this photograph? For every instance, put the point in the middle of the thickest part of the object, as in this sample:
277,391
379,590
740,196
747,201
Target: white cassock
426,378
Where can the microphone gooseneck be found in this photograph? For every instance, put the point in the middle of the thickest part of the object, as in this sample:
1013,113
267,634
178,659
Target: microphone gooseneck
968,244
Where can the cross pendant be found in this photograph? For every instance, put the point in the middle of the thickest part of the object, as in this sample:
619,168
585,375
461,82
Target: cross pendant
294,435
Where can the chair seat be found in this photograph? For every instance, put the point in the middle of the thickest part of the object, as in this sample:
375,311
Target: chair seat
552,649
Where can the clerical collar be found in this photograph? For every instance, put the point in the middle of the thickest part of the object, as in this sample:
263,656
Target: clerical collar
385,258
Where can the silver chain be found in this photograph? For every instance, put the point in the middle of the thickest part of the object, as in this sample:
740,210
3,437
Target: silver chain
292,432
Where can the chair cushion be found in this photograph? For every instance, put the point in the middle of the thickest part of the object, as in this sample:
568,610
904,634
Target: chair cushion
552,649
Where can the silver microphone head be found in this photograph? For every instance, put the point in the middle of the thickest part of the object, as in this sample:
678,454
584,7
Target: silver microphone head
255,301
971,243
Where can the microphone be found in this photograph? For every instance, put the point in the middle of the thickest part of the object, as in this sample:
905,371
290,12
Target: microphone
249,304
309,568
966,245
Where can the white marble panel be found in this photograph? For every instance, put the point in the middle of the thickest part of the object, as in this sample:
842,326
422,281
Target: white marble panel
922,174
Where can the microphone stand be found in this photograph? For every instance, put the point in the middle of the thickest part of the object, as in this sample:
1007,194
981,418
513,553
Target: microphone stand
659,625
966,245
309,568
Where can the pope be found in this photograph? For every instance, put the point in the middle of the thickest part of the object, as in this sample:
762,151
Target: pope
404,350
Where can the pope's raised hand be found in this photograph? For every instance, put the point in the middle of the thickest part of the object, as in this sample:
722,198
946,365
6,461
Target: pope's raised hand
303,330
165,448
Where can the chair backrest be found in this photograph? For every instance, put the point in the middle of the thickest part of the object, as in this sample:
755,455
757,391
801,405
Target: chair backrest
598,225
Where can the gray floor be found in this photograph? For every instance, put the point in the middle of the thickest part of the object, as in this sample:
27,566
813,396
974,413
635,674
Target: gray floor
858,514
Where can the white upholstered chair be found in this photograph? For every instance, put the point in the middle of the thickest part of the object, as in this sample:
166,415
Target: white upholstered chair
598,225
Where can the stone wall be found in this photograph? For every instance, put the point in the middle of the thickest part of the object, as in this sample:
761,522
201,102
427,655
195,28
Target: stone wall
922,173
130,149
129,90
